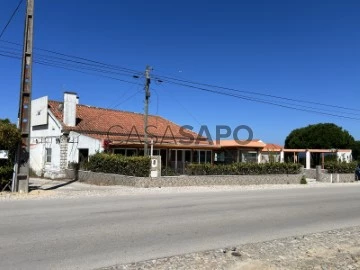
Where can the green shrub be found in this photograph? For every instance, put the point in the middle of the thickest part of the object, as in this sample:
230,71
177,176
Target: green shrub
340,167
303,180
166,171
243,169
6,173
111,163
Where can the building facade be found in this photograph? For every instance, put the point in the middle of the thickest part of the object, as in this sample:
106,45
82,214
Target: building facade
65,132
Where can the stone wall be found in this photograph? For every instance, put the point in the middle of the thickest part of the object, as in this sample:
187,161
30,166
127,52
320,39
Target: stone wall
310,173
326,177
337,177
176,181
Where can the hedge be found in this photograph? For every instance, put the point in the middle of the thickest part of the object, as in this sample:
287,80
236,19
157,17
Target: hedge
6,173
340,167
112,163
243,169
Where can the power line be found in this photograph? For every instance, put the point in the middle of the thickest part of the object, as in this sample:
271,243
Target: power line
75,63
313,110
10,19
288,103
116,67
165,78
57,65
186,83
283,104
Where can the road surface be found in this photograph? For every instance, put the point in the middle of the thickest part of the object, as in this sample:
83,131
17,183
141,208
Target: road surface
93,232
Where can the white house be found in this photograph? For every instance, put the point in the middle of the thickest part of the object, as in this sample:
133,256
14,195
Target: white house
53,144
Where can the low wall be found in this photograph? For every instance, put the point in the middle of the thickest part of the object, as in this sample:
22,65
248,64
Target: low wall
176,181
337,177
326,177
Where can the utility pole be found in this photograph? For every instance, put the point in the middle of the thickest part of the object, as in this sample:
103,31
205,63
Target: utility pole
22,164
146,108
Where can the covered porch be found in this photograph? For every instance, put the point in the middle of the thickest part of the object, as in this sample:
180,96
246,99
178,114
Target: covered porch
173,156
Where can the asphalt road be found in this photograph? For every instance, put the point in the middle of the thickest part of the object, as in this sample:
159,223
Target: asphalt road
93,232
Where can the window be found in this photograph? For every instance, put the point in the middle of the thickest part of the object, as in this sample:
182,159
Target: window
48,155
83,155
129,152
120,151
202,156
250,156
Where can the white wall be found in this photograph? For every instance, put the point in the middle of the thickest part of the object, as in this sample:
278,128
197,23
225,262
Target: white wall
41,137
265,157
77,141
46,133
344,156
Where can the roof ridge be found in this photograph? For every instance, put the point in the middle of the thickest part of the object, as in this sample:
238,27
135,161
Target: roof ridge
110,109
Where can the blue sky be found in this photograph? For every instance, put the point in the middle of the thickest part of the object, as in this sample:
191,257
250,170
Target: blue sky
305,50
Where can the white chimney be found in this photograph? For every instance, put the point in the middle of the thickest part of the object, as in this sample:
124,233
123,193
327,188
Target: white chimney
70,101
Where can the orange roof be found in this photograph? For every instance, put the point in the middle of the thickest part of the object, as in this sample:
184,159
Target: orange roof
159,142
272,147
241,143
119,126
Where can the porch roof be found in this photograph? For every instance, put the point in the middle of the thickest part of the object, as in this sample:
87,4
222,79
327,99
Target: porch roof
241,144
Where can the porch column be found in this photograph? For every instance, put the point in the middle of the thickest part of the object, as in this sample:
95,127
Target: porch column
259,156
176,159
64,152
308,159
167,157
282,156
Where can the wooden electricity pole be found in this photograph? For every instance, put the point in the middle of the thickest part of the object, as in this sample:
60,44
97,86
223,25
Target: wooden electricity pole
22,164
146,108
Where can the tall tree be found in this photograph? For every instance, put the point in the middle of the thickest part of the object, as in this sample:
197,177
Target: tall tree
356,150
320,136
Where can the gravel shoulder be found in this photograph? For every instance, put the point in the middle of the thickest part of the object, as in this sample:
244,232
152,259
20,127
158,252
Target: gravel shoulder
335,249
55,189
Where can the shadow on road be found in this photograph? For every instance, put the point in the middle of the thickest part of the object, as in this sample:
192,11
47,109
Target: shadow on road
32,187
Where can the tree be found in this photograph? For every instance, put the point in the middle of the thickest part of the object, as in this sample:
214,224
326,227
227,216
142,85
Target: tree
9,139
356,150
320,136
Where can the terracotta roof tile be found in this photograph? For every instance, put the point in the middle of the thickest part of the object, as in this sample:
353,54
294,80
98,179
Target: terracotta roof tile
273,147
242,143
99,122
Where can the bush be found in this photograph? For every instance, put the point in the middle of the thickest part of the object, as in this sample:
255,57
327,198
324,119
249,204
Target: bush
111,163
340,167
243,169
303,180
6,173
167,171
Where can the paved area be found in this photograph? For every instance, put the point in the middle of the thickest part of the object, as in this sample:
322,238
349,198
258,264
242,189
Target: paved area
335,249
51,189
87,232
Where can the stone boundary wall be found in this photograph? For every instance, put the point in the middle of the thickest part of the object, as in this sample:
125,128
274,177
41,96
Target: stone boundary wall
326,177
337,177
310,173
185,180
